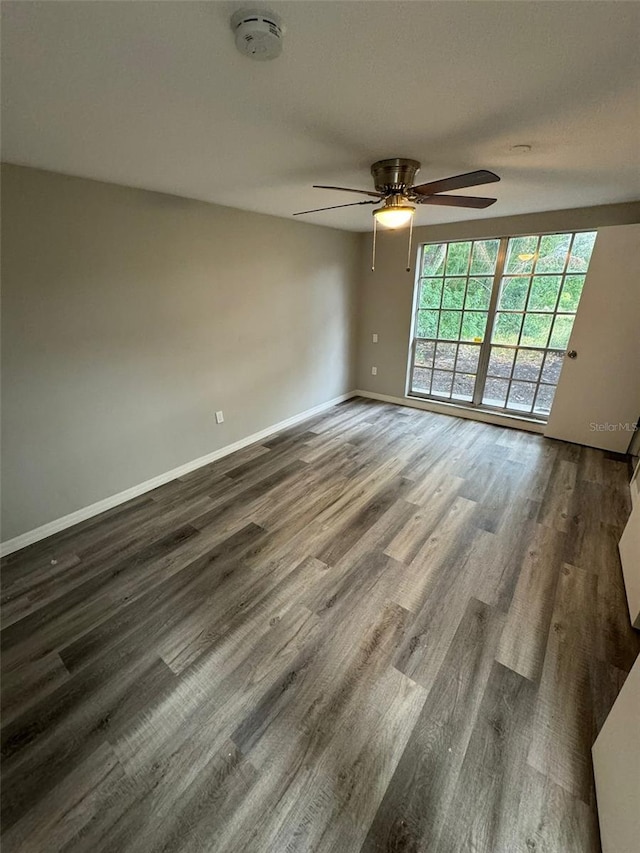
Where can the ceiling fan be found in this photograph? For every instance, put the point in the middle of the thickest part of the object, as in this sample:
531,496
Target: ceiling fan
394,188
393,180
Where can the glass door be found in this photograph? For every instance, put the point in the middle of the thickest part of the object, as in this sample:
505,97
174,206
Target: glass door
452,312
493,319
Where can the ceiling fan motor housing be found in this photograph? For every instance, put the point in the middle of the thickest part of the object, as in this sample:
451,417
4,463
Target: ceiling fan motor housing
394,175
258,33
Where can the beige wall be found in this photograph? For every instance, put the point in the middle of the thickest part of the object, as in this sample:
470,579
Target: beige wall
130,317
385,300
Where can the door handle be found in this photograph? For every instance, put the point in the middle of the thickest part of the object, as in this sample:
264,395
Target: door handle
571,353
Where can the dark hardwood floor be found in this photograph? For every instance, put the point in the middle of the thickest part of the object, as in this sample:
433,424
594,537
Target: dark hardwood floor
383,630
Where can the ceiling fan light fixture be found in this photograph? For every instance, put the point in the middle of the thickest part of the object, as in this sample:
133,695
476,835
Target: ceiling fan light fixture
394,214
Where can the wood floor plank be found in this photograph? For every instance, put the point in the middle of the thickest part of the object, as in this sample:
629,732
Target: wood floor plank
143,621
68,616
446,547
25,685
322,686
524,639
381,630
189,724
550,820
493,485
269,600
193,820
614,642
145,537
497,557
559,496
489,792
605,681
439,596
63,816
434,502
564,729
332,807
38,555
316,750
353,528
17,594
365,572
416,801
41,748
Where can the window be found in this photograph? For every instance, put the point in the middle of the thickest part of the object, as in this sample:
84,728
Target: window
493,318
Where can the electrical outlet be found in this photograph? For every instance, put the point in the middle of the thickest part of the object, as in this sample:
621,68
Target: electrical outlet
374,371
219,417
375,338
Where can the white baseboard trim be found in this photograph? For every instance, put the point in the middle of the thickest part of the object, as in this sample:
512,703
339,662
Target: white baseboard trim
456,411
94,509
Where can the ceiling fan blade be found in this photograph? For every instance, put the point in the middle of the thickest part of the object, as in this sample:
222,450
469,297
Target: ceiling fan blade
457,200
334,207
457,182
348,190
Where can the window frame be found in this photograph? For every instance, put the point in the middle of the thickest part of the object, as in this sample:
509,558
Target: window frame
500,273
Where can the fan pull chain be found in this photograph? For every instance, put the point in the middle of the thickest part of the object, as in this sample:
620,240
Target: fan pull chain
373,256
409,251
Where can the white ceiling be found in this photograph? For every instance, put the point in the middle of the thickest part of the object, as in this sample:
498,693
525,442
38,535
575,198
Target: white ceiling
155,95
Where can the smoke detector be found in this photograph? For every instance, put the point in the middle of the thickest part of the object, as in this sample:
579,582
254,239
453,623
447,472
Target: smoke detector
258,33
